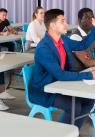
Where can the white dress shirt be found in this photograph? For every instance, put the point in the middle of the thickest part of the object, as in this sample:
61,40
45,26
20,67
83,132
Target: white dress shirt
77,37
36,31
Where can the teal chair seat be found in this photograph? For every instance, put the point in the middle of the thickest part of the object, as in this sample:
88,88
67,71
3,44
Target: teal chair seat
46,112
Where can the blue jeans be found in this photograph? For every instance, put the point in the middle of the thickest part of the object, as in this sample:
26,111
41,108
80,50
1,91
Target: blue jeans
83,106
2,78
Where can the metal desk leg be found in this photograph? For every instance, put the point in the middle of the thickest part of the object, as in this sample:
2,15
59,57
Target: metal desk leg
73,111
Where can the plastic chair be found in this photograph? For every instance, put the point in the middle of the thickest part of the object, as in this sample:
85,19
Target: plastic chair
92,115
10,21
23,40
46,112
25,27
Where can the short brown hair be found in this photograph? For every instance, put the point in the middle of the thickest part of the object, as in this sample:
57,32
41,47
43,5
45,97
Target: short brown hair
51,15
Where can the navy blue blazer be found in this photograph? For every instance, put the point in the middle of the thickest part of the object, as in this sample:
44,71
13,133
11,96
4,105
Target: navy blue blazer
47,67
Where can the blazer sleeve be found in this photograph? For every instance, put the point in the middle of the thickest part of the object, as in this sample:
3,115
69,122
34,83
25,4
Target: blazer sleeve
46,58
83,44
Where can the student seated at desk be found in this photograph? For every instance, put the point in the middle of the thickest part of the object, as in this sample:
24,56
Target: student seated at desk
5,29
86,57
53,57
36,28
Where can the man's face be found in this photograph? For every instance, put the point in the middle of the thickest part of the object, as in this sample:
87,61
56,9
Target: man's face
3,16
60,25
86,21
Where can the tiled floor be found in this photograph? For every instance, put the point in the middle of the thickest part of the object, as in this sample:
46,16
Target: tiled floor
19,106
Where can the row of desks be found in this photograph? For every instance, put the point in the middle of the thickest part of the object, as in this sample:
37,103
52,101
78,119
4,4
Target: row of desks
13,60
12,37
13,125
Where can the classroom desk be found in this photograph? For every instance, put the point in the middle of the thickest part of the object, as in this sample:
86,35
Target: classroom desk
16,25
14,60
74,89
13,125
11,37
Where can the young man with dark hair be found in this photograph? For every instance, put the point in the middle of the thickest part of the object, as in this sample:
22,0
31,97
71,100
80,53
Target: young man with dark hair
5,29
86,57
53,56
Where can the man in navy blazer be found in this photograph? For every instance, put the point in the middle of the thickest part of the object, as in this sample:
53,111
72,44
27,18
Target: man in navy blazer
53,60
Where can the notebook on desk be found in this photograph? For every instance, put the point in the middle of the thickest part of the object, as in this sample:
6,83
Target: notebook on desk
88,69
89,82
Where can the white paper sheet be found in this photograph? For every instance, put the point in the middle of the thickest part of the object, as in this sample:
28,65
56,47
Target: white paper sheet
88,69
89,82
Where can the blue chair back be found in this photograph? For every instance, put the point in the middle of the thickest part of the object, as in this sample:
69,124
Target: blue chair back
27,73
10,21
47,112
23,40
25,27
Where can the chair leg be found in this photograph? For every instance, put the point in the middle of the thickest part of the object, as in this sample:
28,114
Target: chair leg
44,111
16,45
92,116
33,112
48,115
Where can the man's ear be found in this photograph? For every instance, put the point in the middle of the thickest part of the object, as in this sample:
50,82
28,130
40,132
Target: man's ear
52,25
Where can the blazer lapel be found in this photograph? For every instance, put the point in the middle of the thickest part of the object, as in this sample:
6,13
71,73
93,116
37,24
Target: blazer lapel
51,45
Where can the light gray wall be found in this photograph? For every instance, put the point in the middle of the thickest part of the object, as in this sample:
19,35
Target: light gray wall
70,7
19,10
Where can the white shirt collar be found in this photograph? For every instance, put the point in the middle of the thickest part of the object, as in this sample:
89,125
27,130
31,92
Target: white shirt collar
82,31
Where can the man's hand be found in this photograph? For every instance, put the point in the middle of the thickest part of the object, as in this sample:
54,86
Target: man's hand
4,33
93,73
12,30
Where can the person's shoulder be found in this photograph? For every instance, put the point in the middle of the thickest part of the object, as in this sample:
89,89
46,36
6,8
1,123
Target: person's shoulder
65,37
6,21
42,45
75,34
31,23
